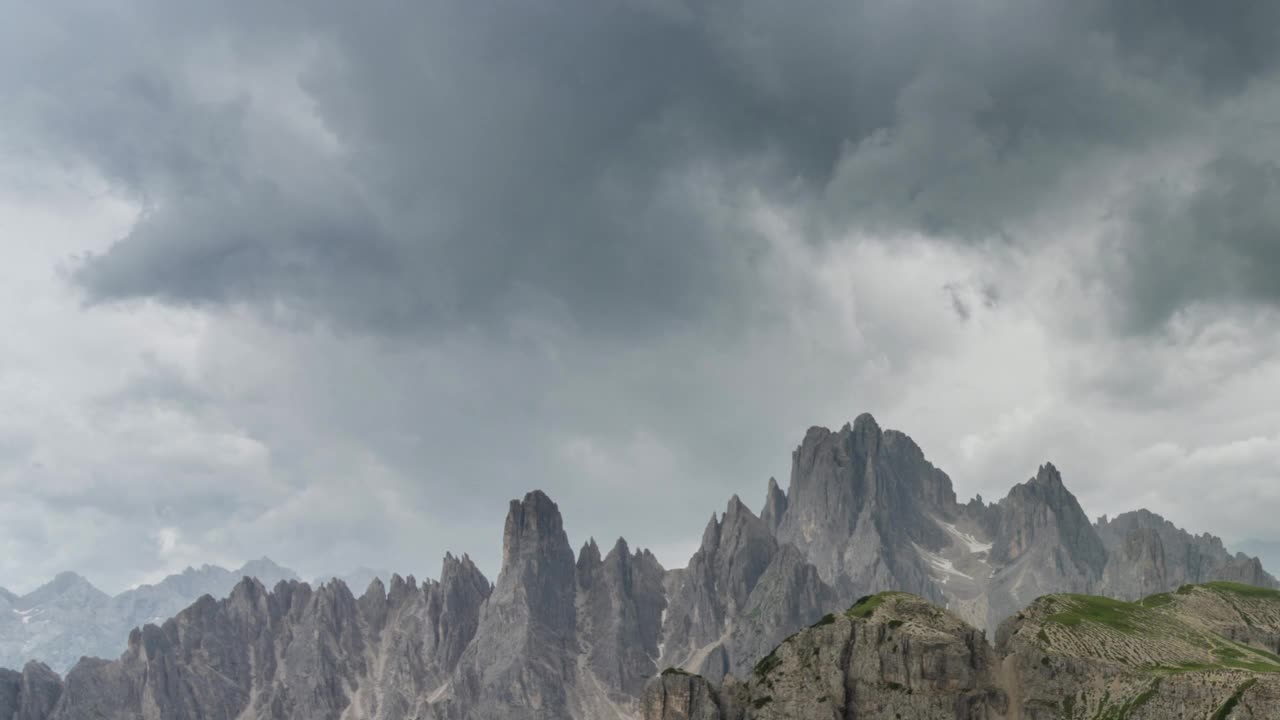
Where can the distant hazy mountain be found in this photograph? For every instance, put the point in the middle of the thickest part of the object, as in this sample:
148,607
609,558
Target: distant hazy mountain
560,637
357,579
1268,551
68,617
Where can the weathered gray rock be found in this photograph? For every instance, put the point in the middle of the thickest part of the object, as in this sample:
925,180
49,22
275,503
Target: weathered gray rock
30,694
621,602
789,596
10,682
1148,554
1043,543
703,598
677,695
860,505
740,594
892,656
775,506
522,662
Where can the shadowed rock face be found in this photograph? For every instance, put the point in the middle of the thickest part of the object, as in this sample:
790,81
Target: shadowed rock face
621,602
30,694
563,638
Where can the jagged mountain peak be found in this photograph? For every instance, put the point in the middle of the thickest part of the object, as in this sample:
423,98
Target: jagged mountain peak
66,587
375,589
736,512
589,562
265,567
532,524
621,548
1048,476
775,505
561,635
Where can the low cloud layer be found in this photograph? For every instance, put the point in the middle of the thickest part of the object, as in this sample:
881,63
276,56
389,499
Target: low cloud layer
332,282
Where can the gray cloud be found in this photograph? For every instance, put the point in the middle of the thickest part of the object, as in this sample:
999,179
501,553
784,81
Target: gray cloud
1217,240
425,256
484,156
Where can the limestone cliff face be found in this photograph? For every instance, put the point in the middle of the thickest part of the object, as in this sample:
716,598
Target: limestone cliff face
704,597
621,602
681,696
742,592
860,503
522,661
891,656
1043,543
1148,554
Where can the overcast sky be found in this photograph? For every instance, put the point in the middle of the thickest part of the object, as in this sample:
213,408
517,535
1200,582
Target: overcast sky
332,281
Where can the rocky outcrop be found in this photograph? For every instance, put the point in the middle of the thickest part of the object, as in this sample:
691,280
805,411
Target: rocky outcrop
890,656
775,506
704,597
30,694
741,593
1065,657
621,602
1168,655
677,695
523,660
788,596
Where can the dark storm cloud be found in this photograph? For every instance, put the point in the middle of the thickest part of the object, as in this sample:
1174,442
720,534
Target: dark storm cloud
1218,240
621,250
493,155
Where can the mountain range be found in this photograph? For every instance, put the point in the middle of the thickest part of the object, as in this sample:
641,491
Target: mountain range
68,618
564,635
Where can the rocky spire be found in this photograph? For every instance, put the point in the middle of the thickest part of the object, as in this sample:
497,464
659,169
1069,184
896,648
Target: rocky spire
737,550
1042,510
588,563
775,505
620,619
524,651
456,604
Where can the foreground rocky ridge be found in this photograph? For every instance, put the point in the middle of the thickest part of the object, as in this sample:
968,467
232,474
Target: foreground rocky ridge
559,636
1204,652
